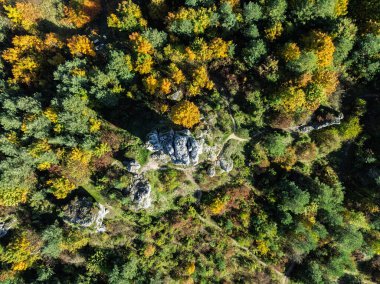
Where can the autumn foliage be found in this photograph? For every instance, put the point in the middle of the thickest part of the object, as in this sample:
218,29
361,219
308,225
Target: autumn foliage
80,45
80,12
185,113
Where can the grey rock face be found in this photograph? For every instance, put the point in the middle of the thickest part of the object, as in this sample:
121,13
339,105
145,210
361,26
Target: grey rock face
132,166
211,171
211,152
80,212
180,146
6,224
103,211
3,229
160,156
140,191
153,143
176,96
226,164
309,128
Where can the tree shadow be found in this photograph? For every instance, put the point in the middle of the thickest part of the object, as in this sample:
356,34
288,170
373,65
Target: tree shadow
135,117
47,26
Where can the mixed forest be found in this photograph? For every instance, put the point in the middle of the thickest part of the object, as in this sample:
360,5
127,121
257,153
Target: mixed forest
189,141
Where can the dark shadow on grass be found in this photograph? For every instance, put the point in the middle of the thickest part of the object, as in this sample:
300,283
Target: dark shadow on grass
135,117
47,26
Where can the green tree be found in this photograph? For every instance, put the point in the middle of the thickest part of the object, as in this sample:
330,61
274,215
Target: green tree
252,12
52,238
306,63
276,143
254,52
364,63
305,11
227,17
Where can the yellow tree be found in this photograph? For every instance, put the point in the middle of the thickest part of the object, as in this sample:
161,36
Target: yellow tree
176,74
151,84
185,113
200,80
13,196
24,14
322,44
291,51
80,45
22,252
26,55
79,13
273,31
341,7
128,17
60,187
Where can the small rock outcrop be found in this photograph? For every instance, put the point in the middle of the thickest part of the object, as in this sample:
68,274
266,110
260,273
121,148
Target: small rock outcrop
140,193
226,164
316,126
79,212
180,146
176,96
132,166
211,171
4,228
103,211
82,212
7,224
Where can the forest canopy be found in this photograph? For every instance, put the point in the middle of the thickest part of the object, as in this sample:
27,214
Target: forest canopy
189,141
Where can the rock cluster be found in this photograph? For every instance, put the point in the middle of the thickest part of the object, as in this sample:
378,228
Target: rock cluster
132,166
180,146
139,192
80,212
103,211
176,96
309,128
226,164
211,171
7,224
3,229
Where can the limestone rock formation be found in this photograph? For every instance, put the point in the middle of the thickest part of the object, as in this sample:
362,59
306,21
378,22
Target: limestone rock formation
3,230
316,126
211,171
103,211
140,193
79,212
132,166
82,212
176,96
180,146
6,224
226,164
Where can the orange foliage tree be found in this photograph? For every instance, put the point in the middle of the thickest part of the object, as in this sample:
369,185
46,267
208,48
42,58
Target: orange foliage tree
22,252
322,44
26,55
24,14
291,51
80,45
185,113
81,12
